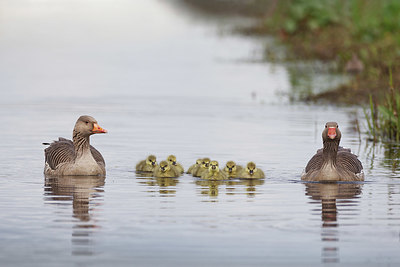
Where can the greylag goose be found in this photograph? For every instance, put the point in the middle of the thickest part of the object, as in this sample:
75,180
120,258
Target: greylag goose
166,170
332,162
213,172
232,170
194,167
251,172
354,65
205,163
77,157
147,165
172,160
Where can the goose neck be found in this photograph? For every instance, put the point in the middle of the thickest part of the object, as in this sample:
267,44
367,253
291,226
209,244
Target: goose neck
330,151
81,144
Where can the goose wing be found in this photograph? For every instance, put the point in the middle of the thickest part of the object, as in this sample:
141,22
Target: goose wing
59,152
315,162
97,155
348,161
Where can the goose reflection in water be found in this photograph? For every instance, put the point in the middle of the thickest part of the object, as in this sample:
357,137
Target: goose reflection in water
210,187
164,186
251,186
81,190
331,196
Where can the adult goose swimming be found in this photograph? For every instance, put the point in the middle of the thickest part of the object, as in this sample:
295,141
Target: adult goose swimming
333,163
76,157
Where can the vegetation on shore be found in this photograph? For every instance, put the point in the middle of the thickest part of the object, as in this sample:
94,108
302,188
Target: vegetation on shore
384,119
337,31
330,30
341,30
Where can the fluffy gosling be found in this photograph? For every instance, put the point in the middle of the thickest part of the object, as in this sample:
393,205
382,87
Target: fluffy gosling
214,173
232,170
205,163
147,165
172,160
194,167
251,172
165,170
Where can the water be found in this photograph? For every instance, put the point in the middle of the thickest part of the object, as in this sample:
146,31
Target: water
164,79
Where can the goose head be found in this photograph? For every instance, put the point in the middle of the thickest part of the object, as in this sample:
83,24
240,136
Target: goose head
331,132
205,163
151,160
172,159
87,125
251,168
230,166
164,166
213,166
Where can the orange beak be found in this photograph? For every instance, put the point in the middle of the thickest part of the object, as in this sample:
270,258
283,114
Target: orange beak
332,132
98,129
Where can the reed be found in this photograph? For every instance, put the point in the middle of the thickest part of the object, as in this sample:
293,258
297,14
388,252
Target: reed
383,120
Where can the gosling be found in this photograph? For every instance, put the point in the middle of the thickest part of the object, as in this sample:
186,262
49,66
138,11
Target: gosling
214,173
194,167
165,170
205,163
172,160
251,172
231,169
147,165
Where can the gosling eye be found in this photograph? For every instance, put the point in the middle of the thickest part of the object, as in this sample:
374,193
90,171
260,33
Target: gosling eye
326,126
86,122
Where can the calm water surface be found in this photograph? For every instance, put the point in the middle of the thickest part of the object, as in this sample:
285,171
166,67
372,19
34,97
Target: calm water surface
164,79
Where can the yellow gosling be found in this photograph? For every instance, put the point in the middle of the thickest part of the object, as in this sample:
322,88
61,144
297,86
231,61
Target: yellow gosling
205,163
251,172
165,170
194,167
147,165
172,160
214,173
232,170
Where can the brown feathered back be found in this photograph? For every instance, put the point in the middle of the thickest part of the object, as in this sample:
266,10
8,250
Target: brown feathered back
62,151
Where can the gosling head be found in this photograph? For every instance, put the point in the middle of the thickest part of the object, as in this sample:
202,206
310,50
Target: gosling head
199,161
172,159
87,125
251,168
151,160
164,166
205,163
331,132
230,166
213,166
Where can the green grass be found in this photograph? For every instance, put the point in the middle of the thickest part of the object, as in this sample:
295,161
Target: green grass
383,120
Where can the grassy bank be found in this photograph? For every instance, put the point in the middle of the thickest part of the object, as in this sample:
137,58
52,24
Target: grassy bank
335,30
330,30
361,37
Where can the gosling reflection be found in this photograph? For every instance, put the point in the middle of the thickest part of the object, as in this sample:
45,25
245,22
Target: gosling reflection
82,191
251,186
166,187
329,194
210,187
